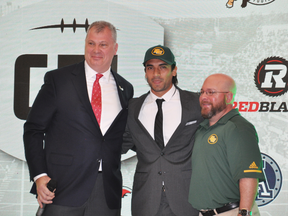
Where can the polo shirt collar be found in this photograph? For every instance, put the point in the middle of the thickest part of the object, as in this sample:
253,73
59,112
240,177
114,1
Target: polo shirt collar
223,120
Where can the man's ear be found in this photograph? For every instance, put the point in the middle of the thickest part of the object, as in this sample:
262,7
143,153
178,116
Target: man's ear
174,72
116,48
229,98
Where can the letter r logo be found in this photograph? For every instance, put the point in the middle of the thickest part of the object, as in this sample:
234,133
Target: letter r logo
271,76
278,78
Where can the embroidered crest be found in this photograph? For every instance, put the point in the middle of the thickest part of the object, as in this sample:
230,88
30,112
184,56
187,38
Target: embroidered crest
158,51
213,139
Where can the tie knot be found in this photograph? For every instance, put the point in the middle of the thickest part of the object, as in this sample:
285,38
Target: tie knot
98,76
159,102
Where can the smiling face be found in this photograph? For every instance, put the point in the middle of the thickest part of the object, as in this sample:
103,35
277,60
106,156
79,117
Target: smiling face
159,76
220,102
100,49
213,104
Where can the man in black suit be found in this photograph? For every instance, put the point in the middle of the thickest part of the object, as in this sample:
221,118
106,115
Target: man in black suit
67,140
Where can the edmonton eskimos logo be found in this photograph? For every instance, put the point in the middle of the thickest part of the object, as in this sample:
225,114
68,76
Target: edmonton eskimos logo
268,190
271,76
158,51
213,138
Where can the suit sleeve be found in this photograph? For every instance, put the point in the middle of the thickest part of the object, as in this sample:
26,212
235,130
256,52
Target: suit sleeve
127,137
127,141
36,125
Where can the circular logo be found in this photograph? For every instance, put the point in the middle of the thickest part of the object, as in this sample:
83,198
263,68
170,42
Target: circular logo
213,139
260,2
269,189
158,51
271,76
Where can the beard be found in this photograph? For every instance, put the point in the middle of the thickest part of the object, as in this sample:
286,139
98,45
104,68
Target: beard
208,114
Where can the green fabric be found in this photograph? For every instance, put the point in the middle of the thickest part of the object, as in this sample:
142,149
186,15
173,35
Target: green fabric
232,153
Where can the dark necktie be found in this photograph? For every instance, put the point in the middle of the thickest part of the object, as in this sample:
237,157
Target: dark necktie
96,100
158,127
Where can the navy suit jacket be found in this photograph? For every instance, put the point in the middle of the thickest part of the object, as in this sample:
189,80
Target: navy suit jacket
63,139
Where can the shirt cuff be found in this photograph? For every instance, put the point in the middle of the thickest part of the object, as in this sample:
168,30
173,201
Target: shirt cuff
39,176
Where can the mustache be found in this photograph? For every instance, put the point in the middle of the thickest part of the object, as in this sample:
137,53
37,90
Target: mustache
205,103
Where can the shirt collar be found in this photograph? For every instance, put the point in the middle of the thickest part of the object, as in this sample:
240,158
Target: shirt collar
223,120
90,73
167,96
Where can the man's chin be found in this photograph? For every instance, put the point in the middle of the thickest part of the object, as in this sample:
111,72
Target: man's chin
206,114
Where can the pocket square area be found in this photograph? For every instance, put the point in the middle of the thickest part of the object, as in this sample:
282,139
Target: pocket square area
191,122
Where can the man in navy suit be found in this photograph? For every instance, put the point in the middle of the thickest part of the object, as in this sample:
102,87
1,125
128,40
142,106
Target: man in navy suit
64,141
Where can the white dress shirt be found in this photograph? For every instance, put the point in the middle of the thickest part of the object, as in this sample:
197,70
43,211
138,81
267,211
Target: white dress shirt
172,113
111,105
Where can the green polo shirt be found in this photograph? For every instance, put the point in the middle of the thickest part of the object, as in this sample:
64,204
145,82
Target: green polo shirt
222,154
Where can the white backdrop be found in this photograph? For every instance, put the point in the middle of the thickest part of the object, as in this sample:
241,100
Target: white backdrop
250,44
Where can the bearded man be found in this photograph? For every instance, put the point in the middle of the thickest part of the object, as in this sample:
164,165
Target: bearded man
226,160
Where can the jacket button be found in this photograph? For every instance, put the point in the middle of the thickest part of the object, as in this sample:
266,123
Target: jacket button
162,153
160,173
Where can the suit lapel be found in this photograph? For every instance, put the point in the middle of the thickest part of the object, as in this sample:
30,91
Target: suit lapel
121,90
121,93
137,109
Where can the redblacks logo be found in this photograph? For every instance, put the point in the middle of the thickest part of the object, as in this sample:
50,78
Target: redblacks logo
271,76
253,106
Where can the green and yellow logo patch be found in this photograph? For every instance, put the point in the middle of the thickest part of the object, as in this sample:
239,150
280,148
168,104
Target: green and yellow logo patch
158,51
212,139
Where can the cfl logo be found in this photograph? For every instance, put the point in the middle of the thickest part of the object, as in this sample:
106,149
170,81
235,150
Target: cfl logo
271,76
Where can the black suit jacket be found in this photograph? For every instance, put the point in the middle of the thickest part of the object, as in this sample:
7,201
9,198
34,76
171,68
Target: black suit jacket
63,118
